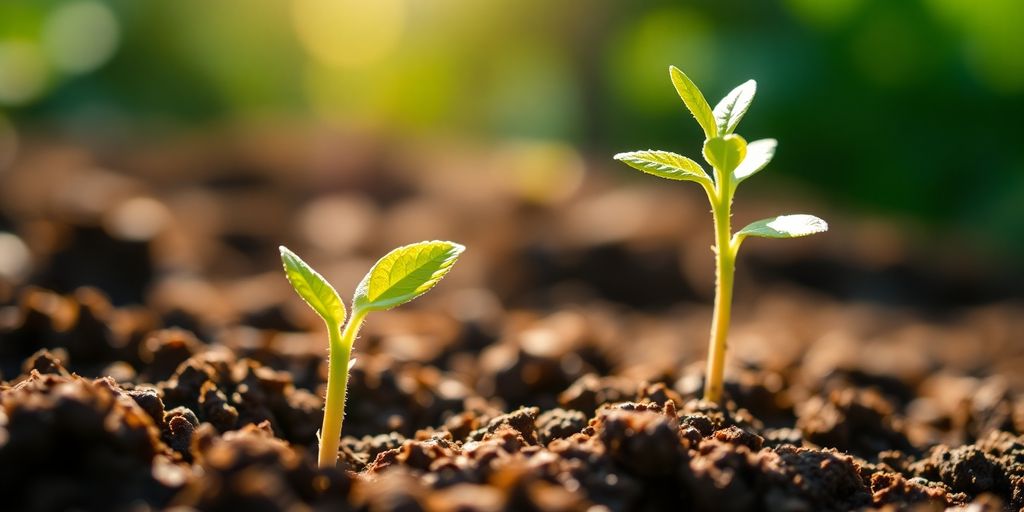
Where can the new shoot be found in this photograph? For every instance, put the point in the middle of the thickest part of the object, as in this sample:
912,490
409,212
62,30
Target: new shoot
732,161
399,277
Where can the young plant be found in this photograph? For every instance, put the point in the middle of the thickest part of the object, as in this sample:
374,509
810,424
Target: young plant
399,277
732,161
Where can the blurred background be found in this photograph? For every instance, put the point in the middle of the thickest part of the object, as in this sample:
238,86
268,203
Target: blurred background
246,123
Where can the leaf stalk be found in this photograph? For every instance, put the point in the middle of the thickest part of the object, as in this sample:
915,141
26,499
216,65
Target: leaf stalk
725,268
341,342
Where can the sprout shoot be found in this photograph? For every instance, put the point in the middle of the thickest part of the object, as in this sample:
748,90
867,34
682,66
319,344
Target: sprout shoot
732,161
399,277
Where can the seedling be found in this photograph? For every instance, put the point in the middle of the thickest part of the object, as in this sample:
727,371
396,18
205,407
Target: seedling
732,161
399,277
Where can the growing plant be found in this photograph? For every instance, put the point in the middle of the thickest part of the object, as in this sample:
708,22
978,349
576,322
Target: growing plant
399,277
732,161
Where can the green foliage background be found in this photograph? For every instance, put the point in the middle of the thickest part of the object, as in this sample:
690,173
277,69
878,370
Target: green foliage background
909,107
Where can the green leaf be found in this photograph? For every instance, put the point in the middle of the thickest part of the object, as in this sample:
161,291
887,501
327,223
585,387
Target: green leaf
759,153
404,274
694,101
313,288
785,226
725,153
665,164
730,110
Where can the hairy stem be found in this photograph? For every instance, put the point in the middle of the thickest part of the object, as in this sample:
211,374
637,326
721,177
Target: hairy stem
337,383
725,260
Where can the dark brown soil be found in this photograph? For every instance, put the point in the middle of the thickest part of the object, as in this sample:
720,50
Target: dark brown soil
558,367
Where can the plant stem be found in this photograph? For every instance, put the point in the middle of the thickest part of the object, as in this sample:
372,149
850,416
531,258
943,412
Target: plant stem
337,383
725,264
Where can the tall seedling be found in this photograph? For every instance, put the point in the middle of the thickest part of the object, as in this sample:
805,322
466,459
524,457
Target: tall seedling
732,161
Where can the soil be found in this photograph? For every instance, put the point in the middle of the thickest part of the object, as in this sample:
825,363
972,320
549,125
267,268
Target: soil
156,359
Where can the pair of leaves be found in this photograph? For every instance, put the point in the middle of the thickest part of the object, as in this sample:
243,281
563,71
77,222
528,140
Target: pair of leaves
675,167
726,151
399,277
732,154
722,152
723,149
721,121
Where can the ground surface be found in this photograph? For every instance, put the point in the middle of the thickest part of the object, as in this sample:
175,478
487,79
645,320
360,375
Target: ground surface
557,368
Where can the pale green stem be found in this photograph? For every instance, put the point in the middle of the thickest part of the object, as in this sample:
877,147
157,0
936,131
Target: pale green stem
337,382
725,265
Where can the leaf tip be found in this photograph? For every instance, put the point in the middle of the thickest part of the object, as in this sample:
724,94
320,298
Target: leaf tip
675,73
288,258
286,253
457,248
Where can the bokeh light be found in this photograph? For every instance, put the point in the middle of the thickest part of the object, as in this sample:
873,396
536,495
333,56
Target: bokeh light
15,258
644,49
990,38
349,33
24,72
80,36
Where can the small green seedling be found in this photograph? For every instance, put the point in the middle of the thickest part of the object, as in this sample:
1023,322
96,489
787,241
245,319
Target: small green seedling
399,277
732,161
